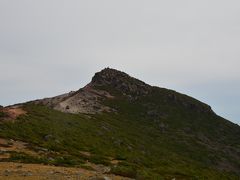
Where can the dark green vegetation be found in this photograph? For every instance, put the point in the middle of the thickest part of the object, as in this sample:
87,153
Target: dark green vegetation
161,135
2,114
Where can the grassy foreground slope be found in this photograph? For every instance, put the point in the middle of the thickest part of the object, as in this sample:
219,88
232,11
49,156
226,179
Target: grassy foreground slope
167,141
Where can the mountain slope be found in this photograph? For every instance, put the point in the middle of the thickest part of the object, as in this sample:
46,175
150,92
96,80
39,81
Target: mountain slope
137,130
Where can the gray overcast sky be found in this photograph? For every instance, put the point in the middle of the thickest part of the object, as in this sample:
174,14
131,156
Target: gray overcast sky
48,47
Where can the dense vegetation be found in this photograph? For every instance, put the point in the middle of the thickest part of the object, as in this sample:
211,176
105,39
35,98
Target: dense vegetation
153,137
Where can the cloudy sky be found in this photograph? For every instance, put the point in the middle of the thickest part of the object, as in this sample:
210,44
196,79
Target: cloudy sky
48,47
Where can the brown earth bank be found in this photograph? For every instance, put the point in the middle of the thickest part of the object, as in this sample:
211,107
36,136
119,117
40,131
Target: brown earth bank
12,171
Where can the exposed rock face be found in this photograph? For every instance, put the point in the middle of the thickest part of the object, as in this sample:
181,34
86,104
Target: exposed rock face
120,81
86,100
54,101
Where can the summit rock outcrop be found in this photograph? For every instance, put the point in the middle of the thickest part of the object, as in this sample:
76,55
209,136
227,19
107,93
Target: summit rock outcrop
121,82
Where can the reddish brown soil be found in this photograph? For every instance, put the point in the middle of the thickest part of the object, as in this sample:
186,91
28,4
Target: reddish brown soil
12,113
18,171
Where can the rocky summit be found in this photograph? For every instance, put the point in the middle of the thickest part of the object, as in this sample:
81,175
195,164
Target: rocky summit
121,82
118,127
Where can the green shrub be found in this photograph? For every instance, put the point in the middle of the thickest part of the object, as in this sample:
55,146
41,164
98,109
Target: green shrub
67,161
126,171
22,157
99,160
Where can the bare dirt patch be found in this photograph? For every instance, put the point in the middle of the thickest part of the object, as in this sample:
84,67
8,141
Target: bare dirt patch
115,161
85,153
15,112
11,113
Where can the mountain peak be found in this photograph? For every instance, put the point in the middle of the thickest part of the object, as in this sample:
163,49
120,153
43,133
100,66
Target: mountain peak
108,76
120,81
119,120
110,83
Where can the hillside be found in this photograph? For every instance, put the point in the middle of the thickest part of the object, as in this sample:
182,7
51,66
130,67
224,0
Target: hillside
131,128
